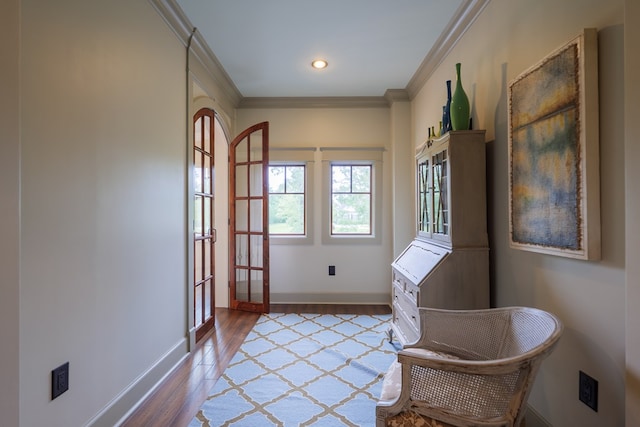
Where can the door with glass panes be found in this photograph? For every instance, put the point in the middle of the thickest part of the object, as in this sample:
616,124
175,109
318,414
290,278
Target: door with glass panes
204,233
248,231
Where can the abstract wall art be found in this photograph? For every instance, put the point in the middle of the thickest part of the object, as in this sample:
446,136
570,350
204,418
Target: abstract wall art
554,185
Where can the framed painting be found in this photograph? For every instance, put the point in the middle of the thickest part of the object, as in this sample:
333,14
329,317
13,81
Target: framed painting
554,177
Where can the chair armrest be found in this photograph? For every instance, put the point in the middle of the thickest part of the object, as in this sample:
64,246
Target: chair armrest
473,367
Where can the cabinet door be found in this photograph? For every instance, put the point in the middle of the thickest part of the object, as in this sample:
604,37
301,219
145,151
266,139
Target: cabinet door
440,194
425,206
433,194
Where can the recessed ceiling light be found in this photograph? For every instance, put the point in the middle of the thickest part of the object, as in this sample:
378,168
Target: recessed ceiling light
319,64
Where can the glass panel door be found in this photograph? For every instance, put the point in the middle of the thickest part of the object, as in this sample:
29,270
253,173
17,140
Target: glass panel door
203,231
249,242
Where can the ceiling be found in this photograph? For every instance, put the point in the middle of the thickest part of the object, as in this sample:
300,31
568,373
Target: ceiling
266,46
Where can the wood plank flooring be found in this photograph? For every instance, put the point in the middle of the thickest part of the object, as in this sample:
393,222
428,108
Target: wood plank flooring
176,401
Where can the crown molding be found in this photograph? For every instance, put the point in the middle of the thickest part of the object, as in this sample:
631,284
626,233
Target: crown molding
466,14
396,95
175,18
315,102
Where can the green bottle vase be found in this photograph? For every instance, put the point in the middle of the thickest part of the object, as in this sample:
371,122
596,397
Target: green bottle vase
459,105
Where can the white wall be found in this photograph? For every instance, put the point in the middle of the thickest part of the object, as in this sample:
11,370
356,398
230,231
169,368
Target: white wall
103,265
9,211
589,297
632,198
362,271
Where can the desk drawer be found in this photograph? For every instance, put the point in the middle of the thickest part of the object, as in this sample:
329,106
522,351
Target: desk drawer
404,327
409,289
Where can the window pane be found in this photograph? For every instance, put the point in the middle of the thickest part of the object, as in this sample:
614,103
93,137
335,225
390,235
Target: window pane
256,251
207,134
197,257
256,215
424,197
351,214
206,220
242,285
197,215
295,179
276,179
361,179
242,250
207,298
198,306
241,181
255,172
241,151
197,133
286,214
242,215
206,245
340,179
256,286
197,172
256,146
206,175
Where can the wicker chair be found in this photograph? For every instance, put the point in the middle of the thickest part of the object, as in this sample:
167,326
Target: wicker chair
469,368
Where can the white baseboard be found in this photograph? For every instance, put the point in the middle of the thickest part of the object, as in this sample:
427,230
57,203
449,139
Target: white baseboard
328,298
123,405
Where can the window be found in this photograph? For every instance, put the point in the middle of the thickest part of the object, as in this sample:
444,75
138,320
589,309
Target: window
290,176
350,199
287,199
352,195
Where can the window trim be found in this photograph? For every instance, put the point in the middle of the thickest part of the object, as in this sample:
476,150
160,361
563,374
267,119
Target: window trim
353,156
297,156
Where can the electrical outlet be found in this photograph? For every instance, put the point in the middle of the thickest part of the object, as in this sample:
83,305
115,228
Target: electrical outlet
588,391
59,380
332,270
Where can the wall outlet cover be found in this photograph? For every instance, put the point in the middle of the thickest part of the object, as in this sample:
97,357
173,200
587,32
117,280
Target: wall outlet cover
588,391
59,380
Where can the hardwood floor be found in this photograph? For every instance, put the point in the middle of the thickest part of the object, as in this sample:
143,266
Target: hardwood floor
176,401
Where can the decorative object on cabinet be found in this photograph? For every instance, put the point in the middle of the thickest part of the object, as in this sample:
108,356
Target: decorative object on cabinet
471,367
446,119
460,108
447,264
554,185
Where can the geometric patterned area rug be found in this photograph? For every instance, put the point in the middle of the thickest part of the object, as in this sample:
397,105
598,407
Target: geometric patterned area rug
311,370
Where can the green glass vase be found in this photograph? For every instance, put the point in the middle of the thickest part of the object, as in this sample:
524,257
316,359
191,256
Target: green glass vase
459,105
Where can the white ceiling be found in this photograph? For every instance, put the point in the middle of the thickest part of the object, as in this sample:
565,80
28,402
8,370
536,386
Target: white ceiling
266,46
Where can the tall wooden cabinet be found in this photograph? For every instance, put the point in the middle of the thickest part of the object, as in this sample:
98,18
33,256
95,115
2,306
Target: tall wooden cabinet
447,264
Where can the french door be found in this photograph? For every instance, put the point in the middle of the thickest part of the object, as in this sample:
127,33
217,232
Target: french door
204,233
248,233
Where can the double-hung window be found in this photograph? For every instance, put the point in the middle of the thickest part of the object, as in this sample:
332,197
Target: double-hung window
290,202
352,199
287,199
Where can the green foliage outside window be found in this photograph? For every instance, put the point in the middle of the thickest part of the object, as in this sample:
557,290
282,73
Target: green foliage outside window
350,199
286,199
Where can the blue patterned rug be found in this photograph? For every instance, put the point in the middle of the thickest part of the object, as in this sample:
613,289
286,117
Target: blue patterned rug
303,370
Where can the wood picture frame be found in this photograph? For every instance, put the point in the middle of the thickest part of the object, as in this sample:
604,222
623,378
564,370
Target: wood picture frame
554,160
